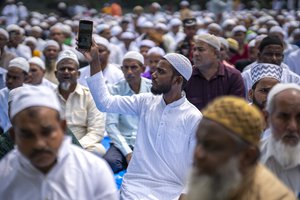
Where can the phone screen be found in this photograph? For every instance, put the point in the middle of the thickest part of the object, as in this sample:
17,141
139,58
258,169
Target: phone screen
85,34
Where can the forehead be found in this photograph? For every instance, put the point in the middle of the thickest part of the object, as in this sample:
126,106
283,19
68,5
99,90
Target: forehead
273,48
52,48
211,130
164,64
200,43
34,66
14,71
154,56
267,82
130,61
288,99
67,62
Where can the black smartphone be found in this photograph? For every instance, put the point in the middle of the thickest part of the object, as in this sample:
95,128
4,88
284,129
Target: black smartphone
85,34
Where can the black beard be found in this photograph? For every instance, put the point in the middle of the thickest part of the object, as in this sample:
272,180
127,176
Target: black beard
161,90
259,105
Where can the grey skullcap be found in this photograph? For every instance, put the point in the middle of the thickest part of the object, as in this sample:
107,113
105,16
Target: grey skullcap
209,39
181,63
265,70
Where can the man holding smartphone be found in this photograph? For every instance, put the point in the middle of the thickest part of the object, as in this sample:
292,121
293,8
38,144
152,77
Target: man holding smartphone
166,131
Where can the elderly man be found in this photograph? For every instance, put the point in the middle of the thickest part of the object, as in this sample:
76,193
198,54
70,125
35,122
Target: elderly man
50,54
37,71
264,77
166,132
17,73
155,54
83,118
280,151
5,56
45,165
271,51
121,128
226,156
210,77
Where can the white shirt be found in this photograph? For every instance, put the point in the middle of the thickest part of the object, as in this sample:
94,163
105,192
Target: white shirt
83,118
112,74
164,145
293,60
4,119
287,77
77,174
289,176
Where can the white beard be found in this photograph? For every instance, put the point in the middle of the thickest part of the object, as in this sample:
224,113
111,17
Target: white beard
65,85
216,187
287,155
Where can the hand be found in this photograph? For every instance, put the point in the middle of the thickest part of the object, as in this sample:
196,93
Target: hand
182,197
128,157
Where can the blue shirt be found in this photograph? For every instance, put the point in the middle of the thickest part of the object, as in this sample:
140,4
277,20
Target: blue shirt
122,128
4,119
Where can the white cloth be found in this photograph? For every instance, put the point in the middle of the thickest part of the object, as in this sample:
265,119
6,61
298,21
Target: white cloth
164,145
116,54
77,174
293,60
111,73
21,51
4,119
83,118
287,77
290,177
11,14
48,83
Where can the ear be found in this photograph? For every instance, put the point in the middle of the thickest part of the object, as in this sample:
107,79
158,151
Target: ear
178,79
250,94
249,157
78,73
63,125
55,72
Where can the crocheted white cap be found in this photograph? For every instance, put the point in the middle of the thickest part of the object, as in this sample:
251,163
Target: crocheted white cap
134,55
181,63
20,63
67,54
101,40
36,60
31,96
209,39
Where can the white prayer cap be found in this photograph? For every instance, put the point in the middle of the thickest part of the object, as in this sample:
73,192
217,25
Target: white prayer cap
277,29
13,93
4,32
184,3
156,5
262,30
224,42
238,28
181,63
161,26
67,54
13,27
20,63
116,30
251,43
265,70
214,26
147,24
37,29
278,88
51,43
209,39
147,43
156,50
175,22
128,35
101,40
135,56
101,27
36,60
31,96
228,22
30,39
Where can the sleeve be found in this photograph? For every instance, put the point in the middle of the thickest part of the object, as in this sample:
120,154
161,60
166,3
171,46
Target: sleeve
114,133
237,86
106,102
95,124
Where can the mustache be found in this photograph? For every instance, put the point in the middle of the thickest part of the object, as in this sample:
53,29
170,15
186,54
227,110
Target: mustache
36,152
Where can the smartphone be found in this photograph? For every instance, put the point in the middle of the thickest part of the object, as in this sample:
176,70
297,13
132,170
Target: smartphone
85,34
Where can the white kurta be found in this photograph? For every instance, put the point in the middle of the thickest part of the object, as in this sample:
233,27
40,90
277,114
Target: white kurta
165,141
77,174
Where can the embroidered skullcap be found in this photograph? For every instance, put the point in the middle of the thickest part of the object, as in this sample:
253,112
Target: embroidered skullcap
265,70
147,43
51,43
36,60
101,40
278,88
31,96
4,32
235,114
238,28
181,63
101,27
233,44
209,39
67,54
20,63
134,55
156,50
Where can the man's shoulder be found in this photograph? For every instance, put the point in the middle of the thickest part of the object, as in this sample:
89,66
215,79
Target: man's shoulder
8,164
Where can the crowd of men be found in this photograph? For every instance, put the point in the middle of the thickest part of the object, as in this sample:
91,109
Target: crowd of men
195,104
